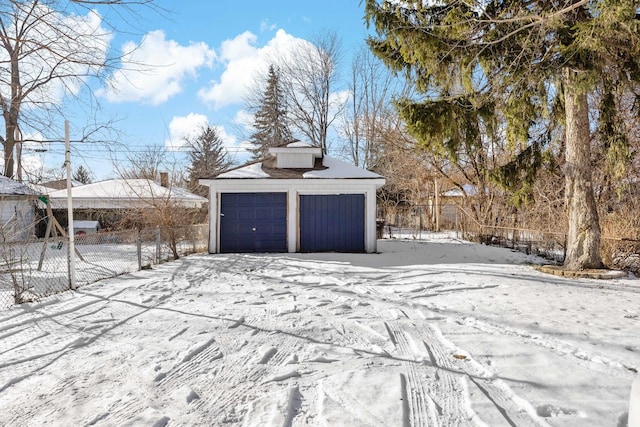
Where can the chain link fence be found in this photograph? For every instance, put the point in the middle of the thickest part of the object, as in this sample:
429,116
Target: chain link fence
414,222
33,269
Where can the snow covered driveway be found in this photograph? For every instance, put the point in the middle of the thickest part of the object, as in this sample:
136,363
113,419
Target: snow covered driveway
424,333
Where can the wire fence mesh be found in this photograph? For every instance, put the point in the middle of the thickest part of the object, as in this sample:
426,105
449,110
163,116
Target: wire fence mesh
414,222
33,269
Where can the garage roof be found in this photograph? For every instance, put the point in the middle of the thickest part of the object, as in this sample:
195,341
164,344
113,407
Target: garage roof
324,168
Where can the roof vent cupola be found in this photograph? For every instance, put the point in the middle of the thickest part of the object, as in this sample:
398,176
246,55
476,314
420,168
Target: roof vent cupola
297,155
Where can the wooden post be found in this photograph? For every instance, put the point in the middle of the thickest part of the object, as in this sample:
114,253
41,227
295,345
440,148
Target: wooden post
436,191
72,246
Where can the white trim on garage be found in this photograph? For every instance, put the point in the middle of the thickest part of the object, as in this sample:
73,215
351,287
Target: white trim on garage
294,188
307,172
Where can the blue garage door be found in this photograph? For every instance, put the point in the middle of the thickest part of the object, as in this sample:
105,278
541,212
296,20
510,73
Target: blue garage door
253,222
332,223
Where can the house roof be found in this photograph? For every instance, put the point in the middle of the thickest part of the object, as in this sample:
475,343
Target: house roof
60,184
469,189
40,189
324,168
10,187
124,193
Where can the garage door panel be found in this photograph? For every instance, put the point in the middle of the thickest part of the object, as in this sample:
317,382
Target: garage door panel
332,223
253,222
244,214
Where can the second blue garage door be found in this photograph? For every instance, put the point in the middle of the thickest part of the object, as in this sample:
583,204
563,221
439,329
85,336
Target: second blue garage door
253,222
332,223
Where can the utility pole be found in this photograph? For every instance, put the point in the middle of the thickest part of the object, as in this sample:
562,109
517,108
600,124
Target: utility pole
71,232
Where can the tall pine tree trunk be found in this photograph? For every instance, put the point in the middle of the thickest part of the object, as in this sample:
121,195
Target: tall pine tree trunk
583,236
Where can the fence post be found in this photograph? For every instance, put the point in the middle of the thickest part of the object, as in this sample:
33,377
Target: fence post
158,245
139,249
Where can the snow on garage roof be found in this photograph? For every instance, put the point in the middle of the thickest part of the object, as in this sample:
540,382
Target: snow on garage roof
337,169
300,144
326,168
252,171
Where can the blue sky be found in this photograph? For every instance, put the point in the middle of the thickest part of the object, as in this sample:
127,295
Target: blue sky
205,55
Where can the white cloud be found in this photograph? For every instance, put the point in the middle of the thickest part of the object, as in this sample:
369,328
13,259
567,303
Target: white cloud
32,166
155,70
244,61
337,101
267,26
228,140
189,126
182,127
245,119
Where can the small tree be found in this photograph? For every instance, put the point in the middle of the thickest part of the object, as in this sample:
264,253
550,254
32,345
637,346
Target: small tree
271,127
82,175
162,210
208,157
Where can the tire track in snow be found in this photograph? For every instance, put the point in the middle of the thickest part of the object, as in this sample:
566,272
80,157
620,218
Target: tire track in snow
244,371
123,413
191,365
420,404
515,410
242,377
189,371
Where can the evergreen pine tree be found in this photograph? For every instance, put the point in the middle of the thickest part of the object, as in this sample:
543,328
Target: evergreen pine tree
208,157
82,175
271,129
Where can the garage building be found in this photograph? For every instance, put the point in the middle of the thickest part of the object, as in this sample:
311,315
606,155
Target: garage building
297,200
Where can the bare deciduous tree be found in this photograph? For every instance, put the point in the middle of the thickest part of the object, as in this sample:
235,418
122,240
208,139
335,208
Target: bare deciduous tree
309,77
147,164
369,106
49,50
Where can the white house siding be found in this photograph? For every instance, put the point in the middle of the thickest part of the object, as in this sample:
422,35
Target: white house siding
17,219
294,188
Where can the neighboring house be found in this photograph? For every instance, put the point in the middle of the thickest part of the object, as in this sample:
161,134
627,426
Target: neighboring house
469,190
17,210
61,184
40,189
450,203
297,200
111,200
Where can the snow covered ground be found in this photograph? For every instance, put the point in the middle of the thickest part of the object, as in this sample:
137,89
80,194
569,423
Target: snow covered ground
438,332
